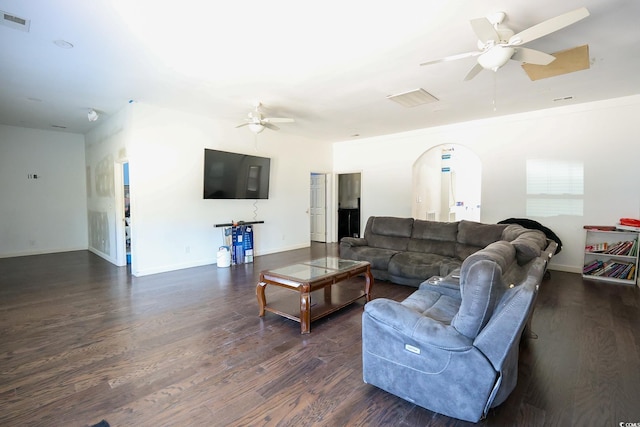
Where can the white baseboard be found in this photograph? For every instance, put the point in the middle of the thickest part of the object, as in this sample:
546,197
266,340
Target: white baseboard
565,268
42,252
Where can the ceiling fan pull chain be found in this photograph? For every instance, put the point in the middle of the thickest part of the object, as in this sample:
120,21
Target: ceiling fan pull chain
495,90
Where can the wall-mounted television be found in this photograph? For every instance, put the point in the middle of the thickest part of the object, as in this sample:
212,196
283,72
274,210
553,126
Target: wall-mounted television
235,176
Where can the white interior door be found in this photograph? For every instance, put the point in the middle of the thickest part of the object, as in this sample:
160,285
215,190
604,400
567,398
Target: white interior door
318,208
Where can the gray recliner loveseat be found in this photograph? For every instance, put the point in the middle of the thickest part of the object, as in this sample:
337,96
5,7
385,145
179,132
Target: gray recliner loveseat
452,346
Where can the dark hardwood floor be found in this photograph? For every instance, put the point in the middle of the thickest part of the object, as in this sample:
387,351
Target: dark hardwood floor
81,341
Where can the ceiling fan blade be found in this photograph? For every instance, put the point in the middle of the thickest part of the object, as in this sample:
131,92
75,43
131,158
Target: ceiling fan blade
473,72
278,120
484,30
567,61
452,58
270,125
548,26
243,124
531,56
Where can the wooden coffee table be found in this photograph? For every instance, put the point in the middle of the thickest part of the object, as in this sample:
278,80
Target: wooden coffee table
307,277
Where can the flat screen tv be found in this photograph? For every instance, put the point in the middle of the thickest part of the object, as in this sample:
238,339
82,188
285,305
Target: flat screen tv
235,176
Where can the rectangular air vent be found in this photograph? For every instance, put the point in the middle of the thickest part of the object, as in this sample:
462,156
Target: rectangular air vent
15,22
413,98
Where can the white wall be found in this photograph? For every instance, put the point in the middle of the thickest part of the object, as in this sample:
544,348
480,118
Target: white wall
47,214
106,149
172,226
602,135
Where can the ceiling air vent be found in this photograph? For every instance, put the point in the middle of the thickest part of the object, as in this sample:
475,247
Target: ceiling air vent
15,22
413,98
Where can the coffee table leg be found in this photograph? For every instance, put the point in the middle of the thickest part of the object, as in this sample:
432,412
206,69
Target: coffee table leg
305,311
368,284
262,302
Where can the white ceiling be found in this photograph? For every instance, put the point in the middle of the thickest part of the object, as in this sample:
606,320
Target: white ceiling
329,65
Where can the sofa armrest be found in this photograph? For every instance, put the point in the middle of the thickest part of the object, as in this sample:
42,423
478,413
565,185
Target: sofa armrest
550,250
353,241
413,324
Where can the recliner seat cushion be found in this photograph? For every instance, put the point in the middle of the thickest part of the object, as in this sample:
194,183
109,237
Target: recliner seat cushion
433,304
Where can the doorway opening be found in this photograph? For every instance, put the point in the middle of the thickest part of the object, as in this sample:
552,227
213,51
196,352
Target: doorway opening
127,211
122,213
447,184
349,188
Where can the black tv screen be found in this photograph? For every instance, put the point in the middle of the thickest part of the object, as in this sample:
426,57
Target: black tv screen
235,176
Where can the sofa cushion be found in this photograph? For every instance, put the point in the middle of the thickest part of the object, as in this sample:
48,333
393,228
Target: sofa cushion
482,286
501,252
391,226
473,236
535,225
418,265
434,237
478,234
388,232
529,244
377,257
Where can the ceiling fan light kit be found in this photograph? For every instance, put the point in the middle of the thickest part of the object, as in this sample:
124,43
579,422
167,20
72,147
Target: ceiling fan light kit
256,127
496,57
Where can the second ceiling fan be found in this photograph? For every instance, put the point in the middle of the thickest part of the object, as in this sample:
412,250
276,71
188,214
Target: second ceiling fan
257,122
498,44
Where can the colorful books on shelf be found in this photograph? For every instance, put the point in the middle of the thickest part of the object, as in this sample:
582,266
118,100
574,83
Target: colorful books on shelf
628,248
613,269
591,267
619,248
596,247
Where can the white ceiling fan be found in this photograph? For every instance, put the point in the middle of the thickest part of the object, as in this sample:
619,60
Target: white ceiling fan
257,122
498,44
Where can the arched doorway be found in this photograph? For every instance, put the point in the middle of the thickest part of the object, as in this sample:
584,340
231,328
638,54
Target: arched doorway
447,184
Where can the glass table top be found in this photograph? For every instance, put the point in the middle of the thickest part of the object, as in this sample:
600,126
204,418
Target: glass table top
316,268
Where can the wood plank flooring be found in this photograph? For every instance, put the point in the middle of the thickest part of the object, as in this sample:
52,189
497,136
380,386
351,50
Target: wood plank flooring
81,340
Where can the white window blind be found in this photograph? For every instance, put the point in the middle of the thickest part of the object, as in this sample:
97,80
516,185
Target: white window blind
554,187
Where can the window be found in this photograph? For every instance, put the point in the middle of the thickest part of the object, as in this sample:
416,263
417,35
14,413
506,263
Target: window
555,187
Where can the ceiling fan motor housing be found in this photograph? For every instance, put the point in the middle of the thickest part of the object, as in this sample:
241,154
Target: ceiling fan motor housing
496,53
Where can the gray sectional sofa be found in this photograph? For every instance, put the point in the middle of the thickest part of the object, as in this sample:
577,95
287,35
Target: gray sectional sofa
408,251
452,346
